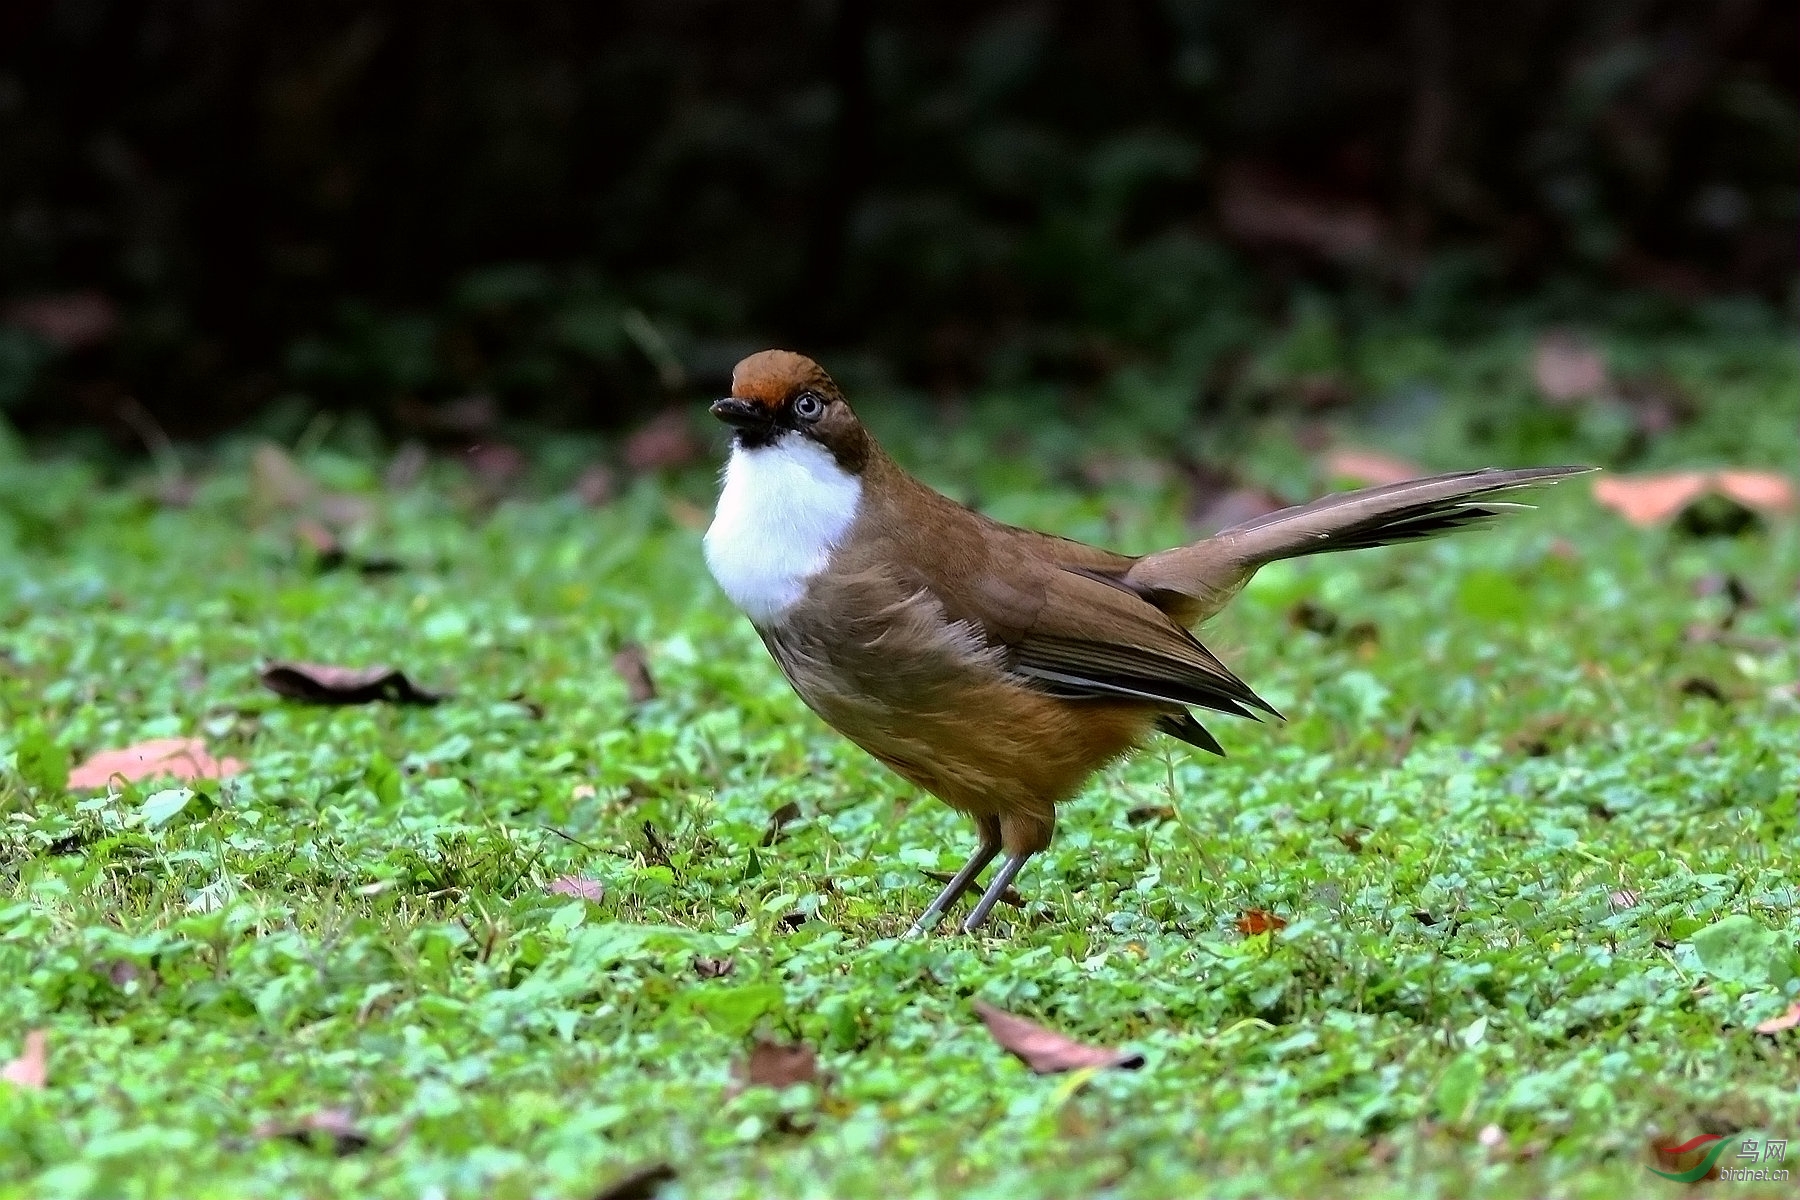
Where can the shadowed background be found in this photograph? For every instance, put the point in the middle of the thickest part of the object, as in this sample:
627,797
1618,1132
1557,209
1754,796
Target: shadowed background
440,214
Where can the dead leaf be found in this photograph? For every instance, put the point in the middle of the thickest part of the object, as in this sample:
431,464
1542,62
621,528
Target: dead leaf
772,1064
1787,1020
277,481
158,758
643,1183
1143,814
32,1068
1370,468
1567,369
577,885
779,820
1259,207
1045,1051
687,514
665,443
1009,896
1623,898
596,485
1763,491
1352,840
1253,921
332,1128
1652,499
321,683
70,320
714,968
633,666
496,466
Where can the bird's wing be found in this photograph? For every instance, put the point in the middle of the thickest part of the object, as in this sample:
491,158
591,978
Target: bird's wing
1081,634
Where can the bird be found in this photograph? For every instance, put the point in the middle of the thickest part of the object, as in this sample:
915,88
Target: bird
995,667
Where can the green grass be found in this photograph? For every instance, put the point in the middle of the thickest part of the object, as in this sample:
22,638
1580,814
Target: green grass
1450,820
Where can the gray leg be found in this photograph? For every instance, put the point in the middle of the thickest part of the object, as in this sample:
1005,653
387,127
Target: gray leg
959,883
1002,879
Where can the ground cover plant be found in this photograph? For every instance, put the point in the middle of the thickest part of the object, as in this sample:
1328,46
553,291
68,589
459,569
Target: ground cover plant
1498,908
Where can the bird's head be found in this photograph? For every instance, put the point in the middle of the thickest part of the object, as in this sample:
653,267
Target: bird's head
777,395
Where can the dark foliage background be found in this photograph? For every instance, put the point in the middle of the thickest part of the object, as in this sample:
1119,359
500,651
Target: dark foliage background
565,210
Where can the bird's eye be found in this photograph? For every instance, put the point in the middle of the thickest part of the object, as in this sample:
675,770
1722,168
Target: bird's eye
808,406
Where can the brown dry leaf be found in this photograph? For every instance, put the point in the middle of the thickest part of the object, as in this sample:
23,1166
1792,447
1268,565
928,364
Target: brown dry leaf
643,1183
596,485
1370,468
1650,499
1045,1051
1567,369
1623,898
158,758
666,442
32,1068
1253,921
322,683
577,885
780,819
69,320
1653,499
1764,491
772,1064
277,481
1009,896
1259,207
331,1127
1787,1020
714,968
633,666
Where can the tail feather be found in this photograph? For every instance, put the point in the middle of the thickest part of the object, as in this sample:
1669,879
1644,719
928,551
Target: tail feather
1193,582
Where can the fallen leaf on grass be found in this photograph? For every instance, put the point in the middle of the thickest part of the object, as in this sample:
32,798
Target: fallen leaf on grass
1787,1020
772,1064
665,442
576,885
158,758
1009,896
1623,898
32,1068
1253,921
1652,499
1045,1051
643,1183
321,683
633,666
332,1128
780,819
1371,468
69,320
1567,369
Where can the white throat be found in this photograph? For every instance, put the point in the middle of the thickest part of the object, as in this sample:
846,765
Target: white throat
783,508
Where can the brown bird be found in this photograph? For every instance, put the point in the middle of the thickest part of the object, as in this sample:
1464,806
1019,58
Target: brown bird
996,667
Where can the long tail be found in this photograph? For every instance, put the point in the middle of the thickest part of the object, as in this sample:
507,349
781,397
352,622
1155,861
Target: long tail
1193,582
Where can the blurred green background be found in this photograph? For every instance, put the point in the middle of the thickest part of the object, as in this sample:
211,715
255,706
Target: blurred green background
446,217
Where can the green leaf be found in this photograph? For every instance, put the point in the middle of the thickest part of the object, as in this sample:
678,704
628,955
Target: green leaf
1739,949
734,1010
162,807
1459,1089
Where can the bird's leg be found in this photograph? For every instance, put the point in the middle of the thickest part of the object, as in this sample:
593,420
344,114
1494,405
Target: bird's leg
1002,880
959,883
